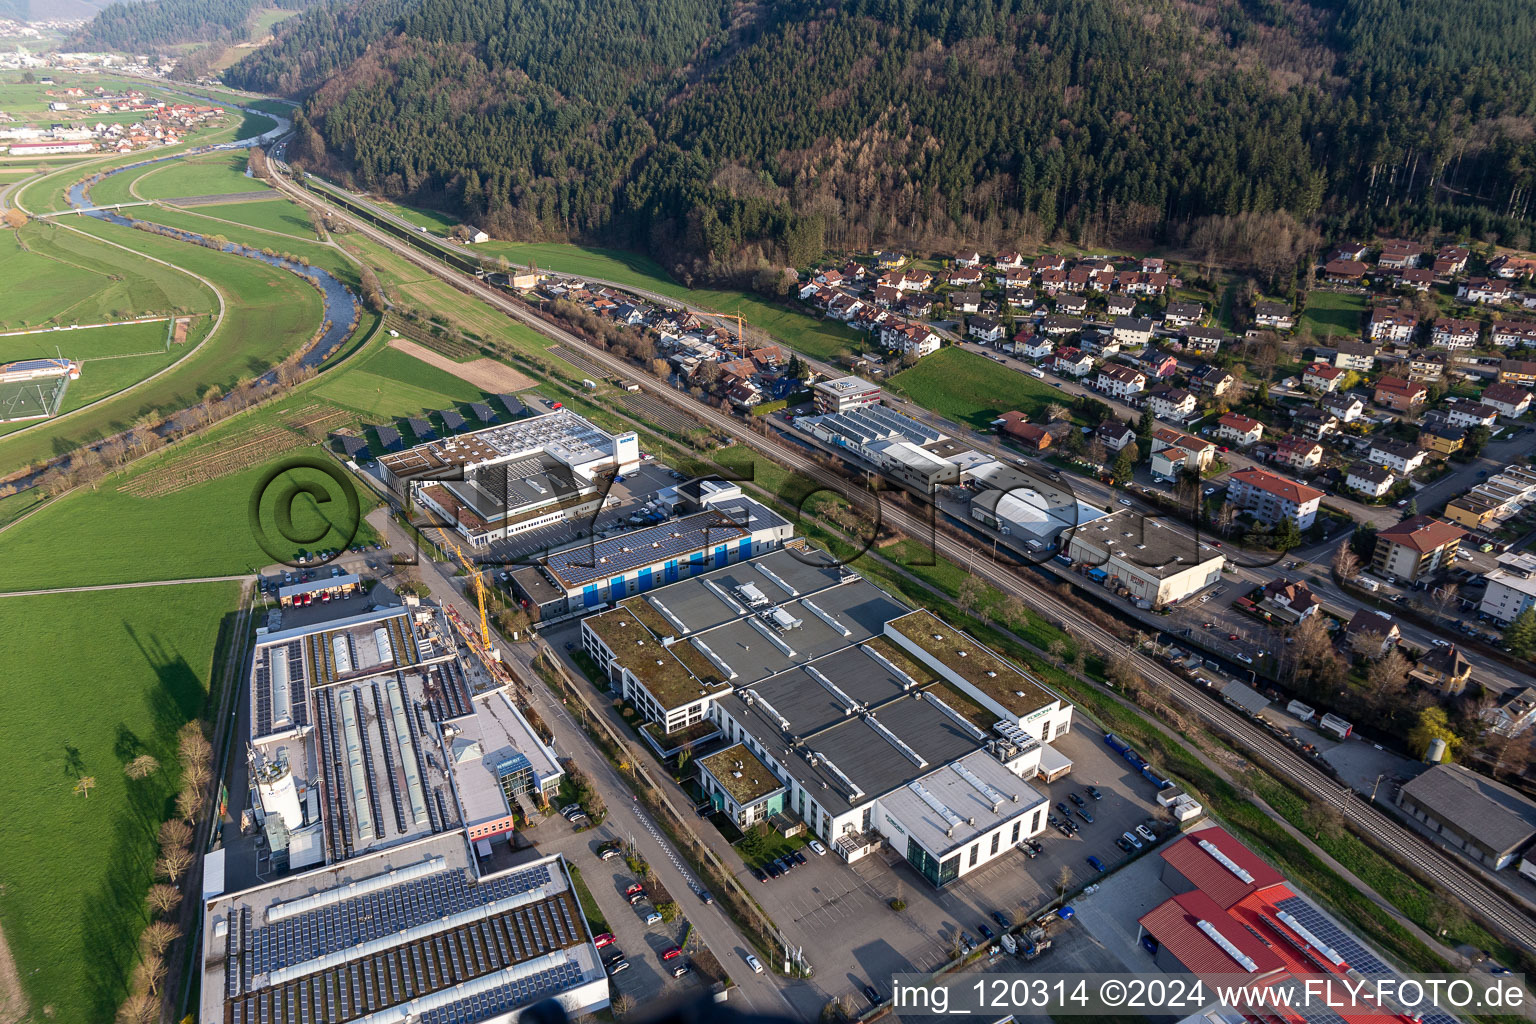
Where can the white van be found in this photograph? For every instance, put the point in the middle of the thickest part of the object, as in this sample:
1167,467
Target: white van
1035,371
1369,584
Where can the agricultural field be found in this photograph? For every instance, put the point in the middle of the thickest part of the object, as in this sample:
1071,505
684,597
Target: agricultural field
220,173
972,389
272,313
275,215
182,514
1333,313
119,679
433,220
388,383
201,219
54,276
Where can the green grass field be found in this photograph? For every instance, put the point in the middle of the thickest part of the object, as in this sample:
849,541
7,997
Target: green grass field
55,276
201,219
1333,313
215,174
271,313
388,383
433,220
92,680
275,215
972,389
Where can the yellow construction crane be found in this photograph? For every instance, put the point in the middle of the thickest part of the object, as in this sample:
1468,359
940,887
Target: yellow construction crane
741,333
479,584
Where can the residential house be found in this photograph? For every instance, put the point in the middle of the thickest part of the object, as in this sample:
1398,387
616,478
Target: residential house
1372,633
1388,323
1310,421
1514,713
1453,333
908,280
1009,260
1415,547
1120,305
1426,366
1356,355
1169,403
963,277
1102,345
1347,251
965,301
1156,363
1293,600
1271,497
918,305
1397,254
910,339
1517,371
1509,400
1344,271
844,307
1120,381
1511,587
985,329
885,296
1401,457
1322,377
1060,324
1021,298
1445,670
1116,435
1451,260
1198,452
1212,379
1153,265
1442,441
1346,406
1471,414
1239,429
1204,340
889,260
1131,282
1072,362
1371,481
1033,436
1076,305
1276,315
1301,454
1399,395
1183,314
1029,345
1045,263
1485,290
968,258
1132,330
1053,282
1509,266
1420,279
1079,279
1514,332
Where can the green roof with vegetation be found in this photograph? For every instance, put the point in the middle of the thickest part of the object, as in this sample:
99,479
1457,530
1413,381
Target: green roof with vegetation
973,662
742,774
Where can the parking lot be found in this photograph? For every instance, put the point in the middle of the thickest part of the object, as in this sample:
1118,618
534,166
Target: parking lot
841,913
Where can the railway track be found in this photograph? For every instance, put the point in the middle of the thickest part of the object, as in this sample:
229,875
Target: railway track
1499,913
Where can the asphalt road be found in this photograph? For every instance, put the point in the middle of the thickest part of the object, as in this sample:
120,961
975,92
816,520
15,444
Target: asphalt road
1456,879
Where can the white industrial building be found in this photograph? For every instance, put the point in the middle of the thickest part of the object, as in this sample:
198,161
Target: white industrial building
514,477
878,724
1157,564
1030,509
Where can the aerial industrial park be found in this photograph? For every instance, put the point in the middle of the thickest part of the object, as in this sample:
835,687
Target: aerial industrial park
466,576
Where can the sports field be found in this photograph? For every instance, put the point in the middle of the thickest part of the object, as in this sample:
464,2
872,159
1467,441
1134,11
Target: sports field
54,276
92,680
215,174
972,389
27,401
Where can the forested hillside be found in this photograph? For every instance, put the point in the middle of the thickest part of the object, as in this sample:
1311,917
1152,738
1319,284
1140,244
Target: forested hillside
717,133
156,25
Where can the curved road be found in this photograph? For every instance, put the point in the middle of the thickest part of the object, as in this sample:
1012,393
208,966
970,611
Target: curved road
1431,862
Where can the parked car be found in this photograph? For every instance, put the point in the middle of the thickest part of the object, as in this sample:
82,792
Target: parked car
1061,805
1146,833
1093,791
871,995
760,874
1082,812
679,970
773,869
1076,800
799,857
1096,864
636,887
986,931
618,967
605,939
754,963
654,917
1124,844
817,848
1131,838
671,953
704,895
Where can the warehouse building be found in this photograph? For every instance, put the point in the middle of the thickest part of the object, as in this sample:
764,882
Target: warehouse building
1027,507
1153,562
510,478
1487,821
874,724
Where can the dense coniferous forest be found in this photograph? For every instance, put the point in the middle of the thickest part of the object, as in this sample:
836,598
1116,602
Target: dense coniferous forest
154,25
721,134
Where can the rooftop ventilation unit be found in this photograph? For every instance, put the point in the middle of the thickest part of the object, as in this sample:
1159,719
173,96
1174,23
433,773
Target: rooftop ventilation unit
983,787
1318,945
855,793
1226,944
907,682
894,740
1225,861
951,819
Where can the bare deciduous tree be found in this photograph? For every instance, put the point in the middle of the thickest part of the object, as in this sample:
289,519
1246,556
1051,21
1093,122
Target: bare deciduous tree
163,898
173,864
85,784
175,833
141,767
139,1008
158,936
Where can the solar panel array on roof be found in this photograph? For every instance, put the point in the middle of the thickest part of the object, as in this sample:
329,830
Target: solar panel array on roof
617,555
421,428
482,412
1345,944
452,420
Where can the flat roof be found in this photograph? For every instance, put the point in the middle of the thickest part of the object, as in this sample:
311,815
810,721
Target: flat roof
742,774
562,430
293,948
973,662
496,734
503,490
954,805
671,682
594,560
1157,550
